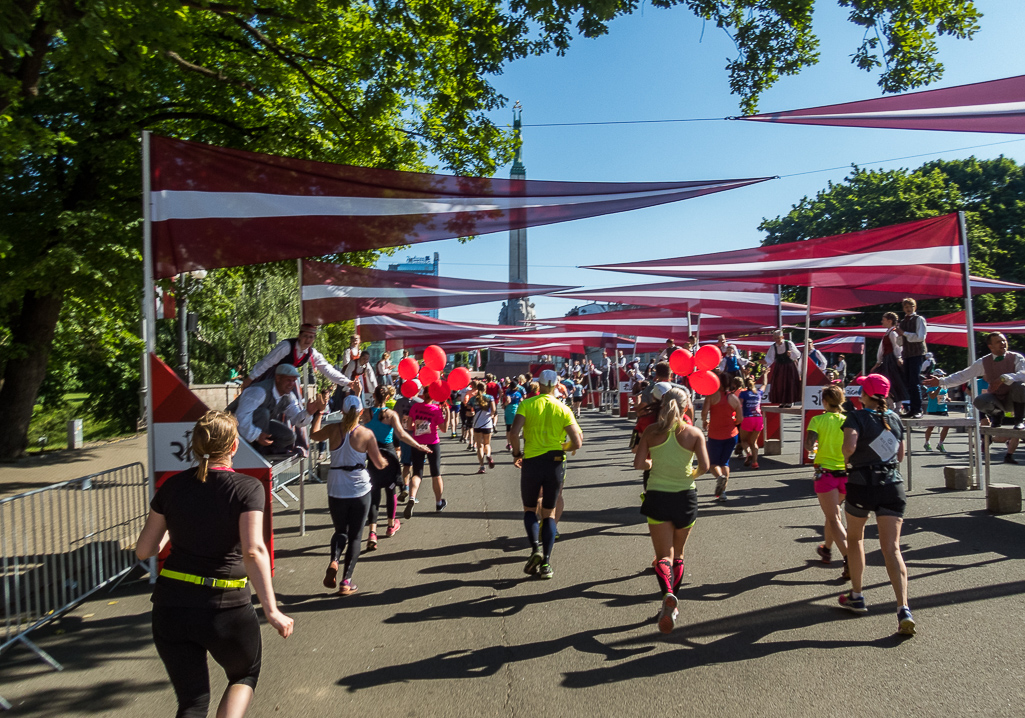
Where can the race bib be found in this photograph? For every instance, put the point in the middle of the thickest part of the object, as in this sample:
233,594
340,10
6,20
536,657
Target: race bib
885,445
421,427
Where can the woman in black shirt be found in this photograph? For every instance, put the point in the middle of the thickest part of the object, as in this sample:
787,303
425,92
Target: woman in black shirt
213,518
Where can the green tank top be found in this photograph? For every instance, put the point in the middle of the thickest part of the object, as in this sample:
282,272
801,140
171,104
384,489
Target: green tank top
672,466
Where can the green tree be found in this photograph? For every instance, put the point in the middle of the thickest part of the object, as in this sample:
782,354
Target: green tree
991,193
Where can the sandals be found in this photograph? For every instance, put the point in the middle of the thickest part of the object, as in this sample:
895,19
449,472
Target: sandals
331,577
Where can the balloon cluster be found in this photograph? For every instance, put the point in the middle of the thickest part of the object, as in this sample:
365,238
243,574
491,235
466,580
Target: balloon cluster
416,377
698,367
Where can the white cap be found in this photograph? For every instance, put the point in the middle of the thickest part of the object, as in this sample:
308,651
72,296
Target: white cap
660,388
352,402
548,378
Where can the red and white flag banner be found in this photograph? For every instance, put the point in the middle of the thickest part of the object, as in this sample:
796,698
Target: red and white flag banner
920,258
218,207
414,328
824,298
994,106
726,299
339,292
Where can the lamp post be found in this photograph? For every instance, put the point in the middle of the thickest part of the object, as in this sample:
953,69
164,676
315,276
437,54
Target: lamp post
187,282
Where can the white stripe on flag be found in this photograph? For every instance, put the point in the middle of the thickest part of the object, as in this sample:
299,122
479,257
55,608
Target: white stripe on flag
735,297
996,108
189,204
331,291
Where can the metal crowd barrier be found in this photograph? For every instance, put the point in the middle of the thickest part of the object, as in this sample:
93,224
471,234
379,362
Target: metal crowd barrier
62,543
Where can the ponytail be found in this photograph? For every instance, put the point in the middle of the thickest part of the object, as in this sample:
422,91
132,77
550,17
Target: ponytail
349,420
212,438
673,404
880,409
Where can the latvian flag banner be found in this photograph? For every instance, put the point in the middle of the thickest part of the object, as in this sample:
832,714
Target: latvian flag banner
217,207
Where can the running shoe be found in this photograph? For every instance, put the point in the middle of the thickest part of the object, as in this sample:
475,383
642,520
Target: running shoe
667,617
482,470
347,588
393,529
856,605
403,494
331,577
826,554
408,513
846,575
546,571
372,542
508,447
928,446
754,465
534,562
941,448
721,498
720,486
469,447
440,505
491,463
905,622
1009,459
747,460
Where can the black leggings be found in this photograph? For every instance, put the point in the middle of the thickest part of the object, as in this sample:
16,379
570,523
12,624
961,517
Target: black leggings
433,461
384,479
183,637
349,517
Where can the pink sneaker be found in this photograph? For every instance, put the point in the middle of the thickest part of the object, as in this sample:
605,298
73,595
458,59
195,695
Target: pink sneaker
392,530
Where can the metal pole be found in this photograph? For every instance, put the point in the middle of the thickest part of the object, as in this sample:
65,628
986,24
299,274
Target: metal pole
183,329
149,313
779,306
970,322
302,314
805,359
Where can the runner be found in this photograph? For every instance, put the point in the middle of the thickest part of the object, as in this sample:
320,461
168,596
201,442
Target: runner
484,409
753,422
386,427
666,453
348,487
720,418
545,423
937,406
513,396
825,438
874,447
426,418
214,520
578,394
454,417
466,416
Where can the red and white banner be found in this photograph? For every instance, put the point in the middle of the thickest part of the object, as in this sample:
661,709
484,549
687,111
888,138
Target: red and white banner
994,106
175,412
339,292
416,328
218,207
847,297
921,258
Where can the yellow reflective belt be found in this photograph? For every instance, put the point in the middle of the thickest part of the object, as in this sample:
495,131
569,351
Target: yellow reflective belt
209,582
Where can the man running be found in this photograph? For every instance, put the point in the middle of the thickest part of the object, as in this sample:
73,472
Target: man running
545,423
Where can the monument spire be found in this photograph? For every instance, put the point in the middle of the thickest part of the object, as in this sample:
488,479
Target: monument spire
516,311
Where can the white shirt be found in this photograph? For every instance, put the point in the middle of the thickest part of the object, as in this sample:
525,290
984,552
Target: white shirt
253,397
280,351
898,349
921,329
770,354
384,367
977,369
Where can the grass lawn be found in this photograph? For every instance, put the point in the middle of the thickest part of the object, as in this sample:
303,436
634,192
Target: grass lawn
52,423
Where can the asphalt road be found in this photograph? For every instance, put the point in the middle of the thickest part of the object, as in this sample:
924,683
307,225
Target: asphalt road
447,624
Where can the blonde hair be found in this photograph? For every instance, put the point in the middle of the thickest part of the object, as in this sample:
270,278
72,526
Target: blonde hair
673,404
833,395
349,420
212,438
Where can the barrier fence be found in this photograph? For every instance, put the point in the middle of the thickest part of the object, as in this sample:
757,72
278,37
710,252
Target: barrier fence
61,543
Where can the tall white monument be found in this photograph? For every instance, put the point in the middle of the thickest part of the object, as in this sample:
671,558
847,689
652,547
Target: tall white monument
517,311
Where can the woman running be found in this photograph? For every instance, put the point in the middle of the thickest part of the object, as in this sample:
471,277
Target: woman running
427,417
888,361
201,601
721,418
825,438
753,422
513,396
348,487
484,409
466,416
873,445
666,451
386,427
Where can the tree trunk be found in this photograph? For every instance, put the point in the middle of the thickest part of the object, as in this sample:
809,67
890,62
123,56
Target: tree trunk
31,340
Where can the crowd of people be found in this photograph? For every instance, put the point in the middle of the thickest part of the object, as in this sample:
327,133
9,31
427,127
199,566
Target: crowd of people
213,517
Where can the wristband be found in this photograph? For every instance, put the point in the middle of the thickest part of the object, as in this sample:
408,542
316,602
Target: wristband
518,456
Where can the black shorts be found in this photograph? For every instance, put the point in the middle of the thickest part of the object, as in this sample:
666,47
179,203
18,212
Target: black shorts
881,499
679,507
433,460
467,422
482,431
542,473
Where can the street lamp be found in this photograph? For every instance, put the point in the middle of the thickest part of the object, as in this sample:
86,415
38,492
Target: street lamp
187,282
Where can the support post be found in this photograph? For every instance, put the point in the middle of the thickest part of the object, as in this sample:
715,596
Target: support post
149,313
970,325
805,358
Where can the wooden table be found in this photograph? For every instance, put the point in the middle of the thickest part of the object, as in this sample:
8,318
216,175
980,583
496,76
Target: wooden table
946,421
995,433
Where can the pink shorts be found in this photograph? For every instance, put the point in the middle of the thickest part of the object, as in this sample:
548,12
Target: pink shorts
752,423
827,481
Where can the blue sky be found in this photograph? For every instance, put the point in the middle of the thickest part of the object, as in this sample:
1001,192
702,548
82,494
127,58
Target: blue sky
655,64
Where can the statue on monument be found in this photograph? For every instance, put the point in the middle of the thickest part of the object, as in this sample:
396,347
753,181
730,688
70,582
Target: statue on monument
516,311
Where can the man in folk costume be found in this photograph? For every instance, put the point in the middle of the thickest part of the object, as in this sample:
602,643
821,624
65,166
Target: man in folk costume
1004,371
356,368
271,415
297,352
912,330
781,358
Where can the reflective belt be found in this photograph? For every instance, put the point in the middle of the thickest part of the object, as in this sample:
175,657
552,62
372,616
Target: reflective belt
208,582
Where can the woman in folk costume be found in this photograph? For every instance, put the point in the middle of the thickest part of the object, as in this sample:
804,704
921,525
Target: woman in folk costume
888,360
782,358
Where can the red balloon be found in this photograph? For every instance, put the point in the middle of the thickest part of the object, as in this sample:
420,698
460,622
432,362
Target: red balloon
704,382
438,390
681,362
411,388
408,368
427,376
459,378
707,357
434,357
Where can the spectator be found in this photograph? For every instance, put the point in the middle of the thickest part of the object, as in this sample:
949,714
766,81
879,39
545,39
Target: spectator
269,411
912,330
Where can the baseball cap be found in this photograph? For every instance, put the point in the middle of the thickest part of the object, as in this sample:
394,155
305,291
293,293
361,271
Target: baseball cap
660,389
548,377
352,402
874,384
286,370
